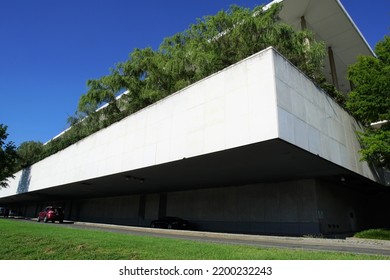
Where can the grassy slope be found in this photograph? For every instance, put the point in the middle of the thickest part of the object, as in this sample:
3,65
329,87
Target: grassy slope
382,234
26,240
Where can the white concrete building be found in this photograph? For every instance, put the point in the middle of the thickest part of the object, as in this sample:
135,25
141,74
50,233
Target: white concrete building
256,147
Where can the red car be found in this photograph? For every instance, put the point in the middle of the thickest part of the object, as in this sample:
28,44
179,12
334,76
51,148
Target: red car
52,214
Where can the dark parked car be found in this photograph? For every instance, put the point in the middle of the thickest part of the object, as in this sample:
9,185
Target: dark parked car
52,214
170,223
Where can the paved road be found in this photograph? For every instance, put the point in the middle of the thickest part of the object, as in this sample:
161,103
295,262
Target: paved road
349,245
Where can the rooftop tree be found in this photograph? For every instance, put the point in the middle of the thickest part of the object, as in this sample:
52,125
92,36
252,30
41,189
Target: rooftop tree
28,153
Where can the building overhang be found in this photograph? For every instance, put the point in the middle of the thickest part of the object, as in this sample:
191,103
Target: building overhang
331,24
270,161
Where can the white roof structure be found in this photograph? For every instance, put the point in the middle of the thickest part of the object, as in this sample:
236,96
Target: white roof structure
331,24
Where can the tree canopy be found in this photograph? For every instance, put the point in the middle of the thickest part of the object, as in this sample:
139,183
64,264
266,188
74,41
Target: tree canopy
210,45
206,47
369,101
8,157
28,153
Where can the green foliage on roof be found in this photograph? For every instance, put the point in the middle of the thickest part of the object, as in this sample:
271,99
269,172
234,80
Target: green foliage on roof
210,45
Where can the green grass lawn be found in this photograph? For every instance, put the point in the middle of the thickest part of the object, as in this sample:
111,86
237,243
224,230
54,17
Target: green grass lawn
21,240
383,234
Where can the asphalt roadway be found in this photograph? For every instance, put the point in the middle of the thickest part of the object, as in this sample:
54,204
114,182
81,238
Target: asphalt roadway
347,245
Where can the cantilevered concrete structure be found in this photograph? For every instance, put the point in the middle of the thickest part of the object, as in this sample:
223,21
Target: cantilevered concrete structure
331,24
255,148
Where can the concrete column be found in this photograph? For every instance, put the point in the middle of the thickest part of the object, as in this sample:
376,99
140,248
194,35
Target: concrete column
303,23
304,27
162,207
141,208
333,68
70,209
37,209
351,85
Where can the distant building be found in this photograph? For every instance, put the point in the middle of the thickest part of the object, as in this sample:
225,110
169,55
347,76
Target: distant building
255,148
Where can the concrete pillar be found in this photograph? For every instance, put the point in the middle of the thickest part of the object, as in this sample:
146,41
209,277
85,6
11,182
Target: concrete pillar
141,208
303,23
304,27
162,207
351,85
333,68
69,210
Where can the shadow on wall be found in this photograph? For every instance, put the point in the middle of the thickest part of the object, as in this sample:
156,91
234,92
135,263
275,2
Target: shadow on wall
25,179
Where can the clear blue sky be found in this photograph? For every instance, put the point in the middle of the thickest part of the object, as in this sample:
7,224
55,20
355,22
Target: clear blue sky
50,48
